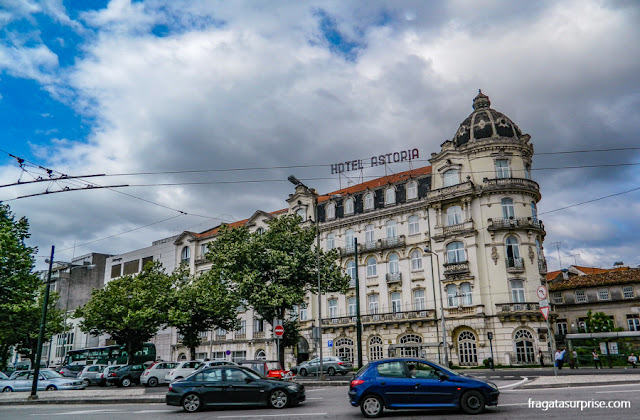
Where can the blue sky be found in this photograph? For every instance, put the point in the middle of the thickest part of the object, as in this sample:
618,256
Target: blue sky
121,87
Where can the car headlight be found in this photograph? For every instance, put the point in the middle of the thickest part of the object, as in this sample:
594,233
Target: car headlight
492,385
292,387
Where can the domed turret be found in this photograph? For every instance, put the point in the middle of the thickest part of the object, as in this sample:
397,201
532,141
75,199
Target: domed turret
485,122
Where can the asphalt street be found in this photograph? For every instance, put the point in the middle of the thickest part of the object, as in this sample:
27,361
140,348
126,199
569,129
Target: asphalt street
332,402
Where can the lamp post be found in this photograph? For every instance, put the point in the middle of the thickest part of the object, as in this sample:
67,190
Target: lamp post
444,330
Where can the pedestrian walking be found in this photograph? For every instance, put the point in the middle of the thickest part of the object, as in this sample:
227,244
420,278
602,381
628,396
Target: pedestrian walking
541,357
575,359
596,359
560,358
632,360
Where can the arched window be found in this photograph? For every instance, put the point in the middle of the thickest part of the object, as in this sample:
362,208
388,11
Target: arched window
416,260
351,269
372,267
513,252
368,201
348,239
392,231
394,265
412,190
182,357
508,210
467,349
390,196
414,225
302,213
331,211
375,349
186,254
454,215
260,230
455,253
524,346
344,349
261,355
331,241
451,177
348,206
452,295
369,237
534,211
409,351
465,292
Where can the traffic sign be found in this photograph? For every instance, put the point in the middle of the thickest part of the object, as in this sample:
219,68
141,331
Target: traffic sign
330,343
543,302
278,330
542,292
228,352
545,312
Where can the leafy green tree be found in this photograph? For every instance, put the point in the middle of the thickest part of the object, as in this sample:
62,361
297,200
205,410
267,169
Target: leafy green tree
274,270
599,322
19,286
131,309
201,303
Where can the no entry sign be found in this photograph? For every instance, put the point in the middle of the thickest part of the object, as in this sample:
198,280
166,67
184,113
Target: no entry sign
278,330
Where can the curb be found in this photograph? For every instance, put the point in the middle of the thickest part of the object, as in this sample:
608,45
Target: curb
575,385
143,400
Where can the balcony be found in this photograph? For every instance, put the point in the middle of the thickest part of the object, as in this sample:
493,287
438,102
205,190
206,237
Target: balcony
514,265
542,266
201,259
513,223
524,311
511,184
240,336
464,310
404,316
369,246
456,269
394,278
452,192
347,250
393,242
259,334
461,229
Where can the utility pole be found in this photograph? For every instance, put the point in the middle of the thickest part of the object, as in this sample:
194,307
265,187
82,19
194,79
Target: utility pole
43,323
558,248
358,319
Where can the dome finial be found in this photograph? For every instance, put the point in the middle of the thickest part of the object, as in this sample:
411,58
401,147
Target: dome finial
481,101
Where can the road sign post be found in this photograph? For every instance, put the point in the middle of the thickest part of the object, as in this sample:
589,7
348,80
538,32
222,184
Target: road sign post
543,293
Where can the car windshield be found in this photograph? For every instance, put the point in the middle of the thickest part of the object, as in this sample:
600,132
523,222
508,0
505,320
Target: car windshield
50,374
274,366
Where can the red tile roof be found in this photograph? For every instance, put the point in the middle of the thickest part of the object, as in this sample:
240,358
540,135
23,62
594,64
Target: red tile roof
597,270
620,275
390,179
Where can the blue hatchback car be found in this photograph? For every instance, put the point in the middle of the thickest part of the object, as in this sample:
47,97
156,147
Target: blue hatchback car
403,383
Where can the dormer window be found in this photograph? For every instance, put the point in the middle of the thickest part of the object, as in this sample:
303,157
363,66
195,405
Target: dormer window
451,177
260,230
412,190
348,206
186,254
302,213
331,211
368,201
390,196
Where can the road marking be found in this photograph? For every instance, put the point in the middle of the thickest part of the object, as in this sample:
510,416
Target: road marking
153,411
567,386
108,411
272,415
516,384
616,392
315,398
315,389
506,405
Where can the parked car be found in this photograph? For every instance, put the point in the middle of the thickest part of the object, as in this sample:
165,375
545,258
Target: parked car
91,374
330,365
183,370
267,368
402,383
48,380
232,386
216,362
156,373
3,376
71,371
102,377
126,375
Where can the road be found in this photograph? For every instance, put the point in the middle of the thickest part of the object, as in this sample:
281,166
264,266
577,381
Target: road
332,403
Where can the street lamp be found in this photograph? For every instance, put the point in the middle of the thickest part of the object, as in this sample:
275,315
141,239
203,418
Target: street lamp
444,330
295,181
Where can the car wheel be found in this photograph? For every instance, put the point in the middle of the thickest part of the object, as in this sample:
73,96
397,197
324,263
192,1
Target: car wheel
278,398
125,382
303,372
7,389
331,371
152,382
371,406
472,402
191,403
51,388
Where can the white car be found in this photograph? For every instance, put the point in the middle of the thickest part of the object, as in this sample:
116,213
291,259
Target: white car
216,362
183,370
156,373
102,377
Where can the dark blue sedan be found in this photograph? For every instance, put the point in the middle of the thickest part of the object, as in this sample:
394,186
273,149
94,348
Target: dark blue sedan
232,385
403,383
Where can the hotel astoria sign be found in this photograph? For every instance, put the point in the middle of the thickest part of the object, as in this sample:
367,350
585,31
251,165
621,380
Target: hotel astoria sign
393,157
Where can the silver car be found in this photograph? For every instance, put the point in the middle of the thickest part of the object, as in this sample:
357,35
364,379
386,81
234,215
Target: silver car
91,374
102,376
48,380
330,364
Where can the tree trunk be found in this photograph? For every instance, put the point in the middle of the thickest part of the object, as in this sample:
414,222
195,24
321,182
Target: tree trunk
192,352
4,356
130,353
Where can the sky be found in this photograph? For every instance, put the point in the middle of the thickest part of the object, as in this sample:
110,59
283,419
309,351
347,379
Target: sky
203,108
